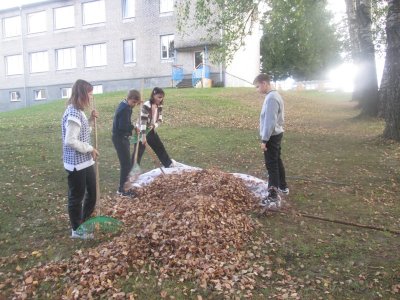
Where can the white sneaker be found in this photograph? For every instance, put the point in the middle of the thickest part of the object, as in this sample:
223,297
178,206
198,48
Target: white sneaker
284,191
83,236
173,164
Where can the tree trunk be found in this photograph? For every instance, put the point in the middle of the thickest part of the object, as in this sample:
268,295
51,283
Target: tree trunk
363,53
391,75
382,105
367,77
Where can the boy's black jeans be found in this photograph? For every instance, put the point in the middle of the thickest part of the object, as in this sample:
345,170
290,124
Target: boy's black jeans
155,143
81,187
122,145
274,164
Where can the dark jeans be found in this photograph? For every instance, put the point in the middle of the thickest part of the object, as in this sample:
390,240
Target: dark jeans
122,145
274,164
153,140
81,187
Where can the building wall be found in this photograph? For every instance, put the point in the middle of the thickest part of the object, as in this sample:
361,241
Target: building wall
146,28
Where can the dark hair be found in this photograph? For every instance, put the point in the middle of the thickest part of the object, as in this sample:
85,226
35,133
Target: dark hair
261,78
79,95
134,95
156,91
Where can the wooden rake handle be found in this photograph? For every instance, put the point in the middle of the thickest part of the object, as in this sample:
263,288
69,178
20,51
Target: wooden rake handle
139,122
155,159
96,164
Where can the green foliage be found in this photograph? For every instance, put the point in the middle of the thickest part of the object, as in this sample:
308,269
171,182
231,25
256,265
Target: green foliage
379,11
225,23
299,39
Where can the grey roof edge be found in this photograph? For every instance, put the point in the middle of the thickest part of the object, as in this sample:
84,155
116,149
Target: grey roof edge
17,7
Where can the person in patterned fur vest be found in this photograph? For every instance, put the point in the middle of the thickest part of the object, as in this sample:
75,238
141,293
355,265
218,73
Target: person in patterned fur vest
150,119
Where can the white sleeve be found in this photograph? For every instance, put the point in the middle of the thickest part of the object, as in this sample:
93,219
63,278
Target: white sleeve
72,138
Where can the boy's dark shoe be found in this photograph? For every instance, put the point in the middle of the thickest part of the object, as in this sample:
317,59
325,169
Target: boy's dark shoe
272,201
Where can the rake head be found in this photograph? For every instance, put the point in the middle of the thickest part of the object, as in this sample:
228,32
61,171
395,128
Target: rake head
102,224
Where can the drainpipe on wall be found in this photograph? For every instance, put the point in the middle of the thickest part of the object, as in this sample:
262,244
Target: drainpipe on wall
23,56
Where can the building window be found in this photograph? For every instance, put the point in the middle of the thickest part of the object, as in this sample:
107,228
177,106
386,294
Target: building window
98,89
39,62
12,26
95,55
128,9
66,92
15,96
39,94
129,51
64,17
166,6
94,12
167,46
36,22
14,65
65,58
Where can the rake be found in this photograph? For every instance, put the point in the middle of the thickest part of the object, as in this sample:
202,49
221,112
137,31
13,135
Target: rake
99,223
154,158
136,170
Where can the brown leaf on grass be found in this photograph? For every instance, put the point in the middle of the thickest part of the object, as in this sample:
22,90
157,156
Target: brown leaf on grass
163,294
29,280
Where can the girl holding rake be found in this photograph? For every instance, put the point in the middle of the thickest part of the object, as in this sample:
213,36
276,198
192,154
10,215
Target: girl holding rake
151,118
79,156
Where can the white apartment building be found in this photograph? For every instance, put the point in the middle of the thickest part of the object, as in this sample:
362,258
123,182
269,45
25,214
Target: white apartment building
114,44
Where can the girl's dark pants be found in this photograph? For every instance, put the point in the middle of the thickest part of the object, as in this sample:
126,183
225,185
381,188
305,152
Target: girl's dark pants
122,145
274,164
81,187
155,143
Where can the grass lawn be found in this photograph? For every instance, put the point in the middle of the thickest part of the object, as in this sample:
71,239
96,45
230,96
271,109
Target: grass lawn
337,167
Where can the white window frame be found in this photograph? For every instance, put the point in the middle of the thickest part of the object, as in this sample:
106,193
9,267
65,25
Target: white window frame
93,12
12,26
64,17
66,92
40,94
95,55
98,89
129,48
128,9
15,96
39,61
36,22
170,54
66,58
166,6
14,65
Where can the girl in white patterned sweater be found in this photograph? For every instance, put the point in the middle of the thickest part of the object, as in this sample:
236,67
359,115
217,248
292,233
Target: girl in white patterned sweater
79,156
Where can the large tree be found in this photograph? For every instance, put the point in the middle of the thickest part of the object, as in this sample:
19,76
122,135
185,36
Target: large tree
299,40
390,84
363,55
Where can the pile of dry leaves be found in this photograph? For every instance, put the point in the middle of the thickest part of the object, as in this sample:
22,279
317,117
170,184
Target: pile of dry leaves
192,226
